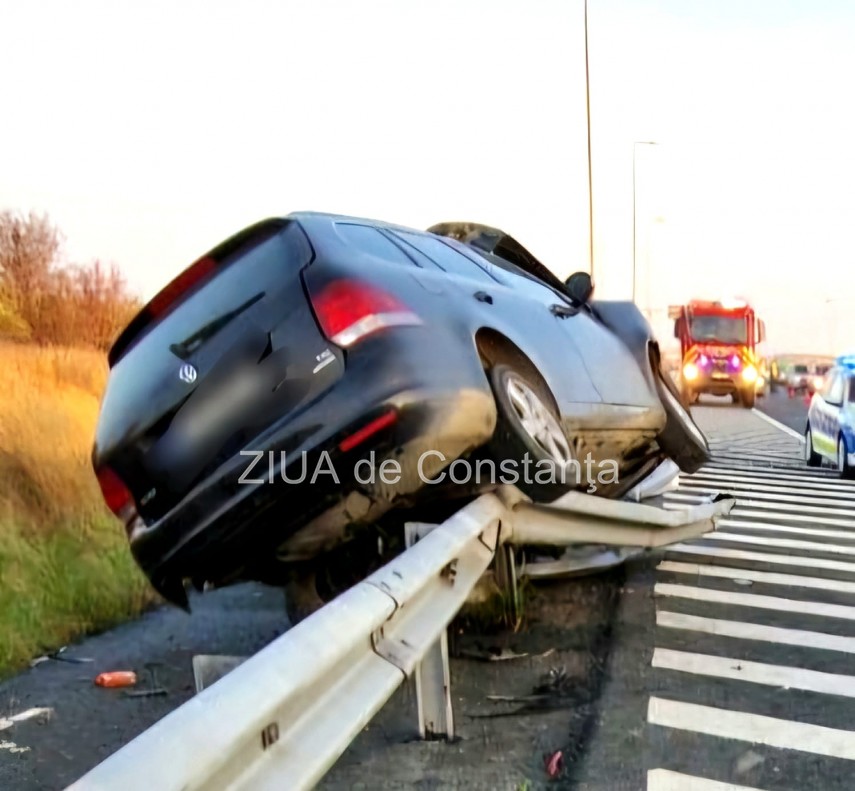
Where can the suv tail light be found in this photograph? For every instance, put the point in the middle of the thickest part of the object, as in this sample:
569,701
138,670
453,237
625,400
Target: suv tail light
348,311
117,496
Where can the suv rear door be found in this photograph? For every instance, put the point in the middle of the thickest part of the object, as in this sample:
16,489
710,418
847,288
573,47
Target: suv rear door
227,349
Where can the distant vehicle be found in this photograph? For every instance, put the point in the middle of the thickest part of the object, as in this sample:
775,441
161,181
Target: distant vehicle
764,378
830,429
798,379
719,342
315,376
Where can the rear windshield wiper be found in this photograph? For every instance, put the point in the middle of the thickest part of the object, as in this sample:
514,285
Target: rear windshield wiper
192,344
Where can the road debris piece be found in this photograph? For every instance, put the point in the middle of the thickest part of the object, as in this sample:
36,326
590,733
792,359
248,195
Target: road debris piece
492,655
117,678
8,722
57,656
554,763
154,689
13,748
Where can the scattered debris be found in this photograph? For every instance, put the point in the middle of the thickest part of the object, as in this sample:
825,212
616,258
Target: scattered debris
8,722
117,678
493,655
554,763
58,657
748,761
13,748
741,581
154,689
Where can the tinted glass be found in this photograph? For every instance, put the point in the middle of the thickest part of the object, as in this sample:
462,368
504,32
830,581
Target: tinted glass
242,279
371,241
851,397
444,256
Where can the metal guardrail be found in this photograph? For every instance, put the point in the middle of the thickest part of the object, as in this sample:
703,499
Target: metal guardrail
283,717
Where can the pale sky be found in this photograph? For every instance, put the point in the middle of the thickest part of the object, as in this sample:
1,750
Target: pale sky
149,132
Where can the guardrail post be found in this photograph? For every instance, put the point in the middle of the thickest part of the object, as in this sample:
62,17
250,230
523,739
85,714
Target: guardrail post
508,581
433,673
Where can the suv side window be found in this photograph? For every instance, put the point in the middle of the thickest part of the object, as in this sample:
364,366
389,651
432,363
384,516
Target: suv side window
444,256
369,240
851,397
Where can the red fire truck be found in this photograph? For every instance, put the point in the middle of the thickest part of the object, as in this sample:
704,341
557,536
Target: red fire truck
718,345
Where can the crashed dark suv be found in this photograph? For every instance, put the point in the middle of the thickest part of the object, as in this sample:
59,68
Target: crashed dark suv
314,374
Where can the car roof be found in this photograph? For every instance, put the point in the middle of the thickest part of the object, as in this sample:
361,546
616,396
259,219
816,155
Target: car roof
346,218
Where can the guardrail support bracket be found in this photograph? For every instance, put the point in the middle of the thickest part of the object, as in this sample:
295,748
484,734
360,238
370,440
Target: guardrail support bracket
433,673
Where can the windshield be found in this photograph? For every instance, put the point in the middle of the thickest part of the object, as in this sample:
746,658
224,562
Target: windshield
719,328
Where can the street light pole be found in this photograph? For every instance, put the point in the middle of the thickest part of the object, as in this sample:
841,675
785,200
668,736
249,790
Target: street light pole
590,174
634,246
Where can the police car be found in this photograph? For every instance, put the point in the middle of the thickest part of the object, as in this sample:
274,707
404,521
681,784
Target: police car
830,429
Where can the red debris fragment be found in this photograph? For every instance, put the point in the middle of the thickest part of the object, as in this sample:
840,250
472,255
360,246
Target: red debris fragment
554,764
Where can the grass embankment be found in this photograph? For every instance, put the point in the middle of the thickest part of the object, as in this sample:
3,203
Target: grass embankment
65,567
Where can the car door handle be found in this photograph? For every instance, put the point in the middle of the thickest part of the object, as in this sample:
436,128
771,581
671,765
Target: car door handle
483,296
562,311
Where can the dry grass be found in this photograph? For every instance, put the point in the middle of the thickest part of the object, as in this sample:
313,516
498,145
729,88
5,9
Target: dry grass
64,564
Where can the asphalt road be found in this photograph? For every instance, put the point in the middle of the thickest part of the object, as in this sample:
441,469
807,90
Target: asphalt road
645,694
792,412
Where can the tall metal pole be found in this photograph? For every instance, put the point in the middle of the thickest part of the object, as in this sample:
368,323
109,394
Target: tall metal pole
590,173
634,246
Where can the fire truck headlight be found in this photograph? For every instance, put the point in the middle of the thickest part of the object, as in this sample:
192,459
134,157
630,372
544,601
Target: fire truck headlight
690,372
749,373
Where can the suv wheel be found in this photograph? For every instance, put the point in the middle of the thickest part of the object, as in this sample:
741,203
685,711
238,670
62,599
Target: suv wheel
812,458
529,427
843,467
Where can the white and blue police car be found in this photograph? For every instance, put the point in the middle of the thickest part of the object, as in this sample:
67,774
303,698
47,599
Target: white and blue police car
830,429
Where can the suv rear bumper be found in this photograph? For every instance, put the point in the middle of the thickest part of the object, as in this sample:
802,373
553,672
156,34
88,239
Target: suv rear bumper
236,521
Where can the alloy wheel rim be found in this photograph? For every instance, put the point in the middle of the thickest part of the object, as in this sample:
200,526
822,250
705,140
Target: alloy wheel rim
538,422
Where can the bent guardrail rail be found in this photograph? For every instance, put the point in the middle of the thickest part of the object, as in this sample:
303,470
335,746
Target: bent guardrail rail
283,717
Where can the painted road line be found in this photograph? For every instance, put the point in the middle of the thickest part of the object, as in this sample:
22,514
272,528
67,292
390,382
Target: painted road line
772,482
787,473
754,631
730,553
791,517
783,543
666,780
845,535
778,425
781,676
752,728
778,507
757,601
754,493
746,515
769,577
744,483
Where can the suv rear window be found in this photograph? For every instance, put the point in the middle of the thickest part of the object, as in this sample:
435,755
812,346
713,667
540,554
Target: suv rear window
246,267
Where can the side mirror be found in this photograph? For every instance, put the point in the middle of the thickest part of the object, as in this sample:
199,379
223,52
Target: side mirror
761,331
580,287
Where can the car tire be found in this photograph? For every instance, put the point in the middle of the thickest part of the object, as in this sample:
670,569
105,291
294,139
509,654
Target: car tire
528,426
747,398
812,458
681,439
846,470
